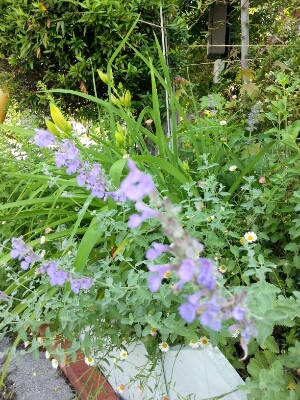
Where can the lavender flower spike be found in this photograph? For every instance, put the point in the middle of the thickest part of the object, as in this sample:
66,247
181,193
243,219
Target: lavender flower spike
43,138
137,184
83,283
22,251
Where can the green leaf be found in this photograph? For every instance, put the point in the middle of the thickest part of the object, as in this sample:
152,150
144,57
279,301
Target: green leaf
264,330
271,345
89,240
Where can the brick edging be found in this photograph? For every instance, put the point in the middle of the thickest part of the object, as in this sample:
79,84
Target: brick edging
88,382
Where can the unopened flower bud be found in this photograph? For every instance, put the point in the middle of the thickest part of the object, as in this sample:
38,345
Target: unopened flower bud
102,76
127,99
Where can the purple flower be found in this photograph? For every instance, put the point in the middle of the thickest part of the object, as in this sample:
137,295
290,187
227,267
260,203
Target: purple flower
136,220
157,250
186,271
21,250
254,116
3,296
205,277
59,278
211,319
94,178
137,184
238,313
154,280
43,138
83,283
213,314
188,312
56,277
248,332
68,156
44,267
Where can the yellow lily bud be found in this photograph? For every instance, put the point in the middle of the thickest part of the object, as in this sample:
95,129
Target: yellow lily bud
119,137
102,76
52,128
186,166
127,99
59,119
114,100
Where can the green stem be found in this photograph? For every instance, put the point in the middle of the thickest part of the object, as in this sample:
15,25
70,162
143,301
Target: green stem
7,362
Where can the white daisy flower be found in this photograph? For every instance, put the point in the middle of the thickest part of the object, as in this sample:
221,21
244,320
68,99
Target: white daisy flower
193,344
126,156
222,208
223,122
47,355
121,389
232,168
42,239
204,341
40,340
210,218
164,347
153,332
222,268
26,344
89,361
250,237
123,355
54,363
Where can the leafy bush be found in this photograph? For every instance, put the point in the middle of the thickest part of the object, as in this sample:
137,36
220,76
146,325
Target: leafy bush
61,43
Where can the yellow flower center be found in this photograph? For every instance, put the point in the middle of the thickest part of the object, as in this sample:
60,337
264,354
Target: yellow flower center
164,345
90,359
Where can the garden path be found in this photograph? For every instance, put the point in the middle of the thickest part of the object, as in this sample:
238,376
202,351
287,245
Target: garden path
34,380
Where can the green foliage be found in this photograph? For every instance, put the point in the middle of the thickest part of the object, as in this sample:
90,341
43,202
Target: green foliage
60,42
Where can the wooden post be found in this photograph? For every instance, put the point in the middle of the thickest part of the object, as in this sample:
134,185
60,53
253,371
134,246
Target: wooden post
244,33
